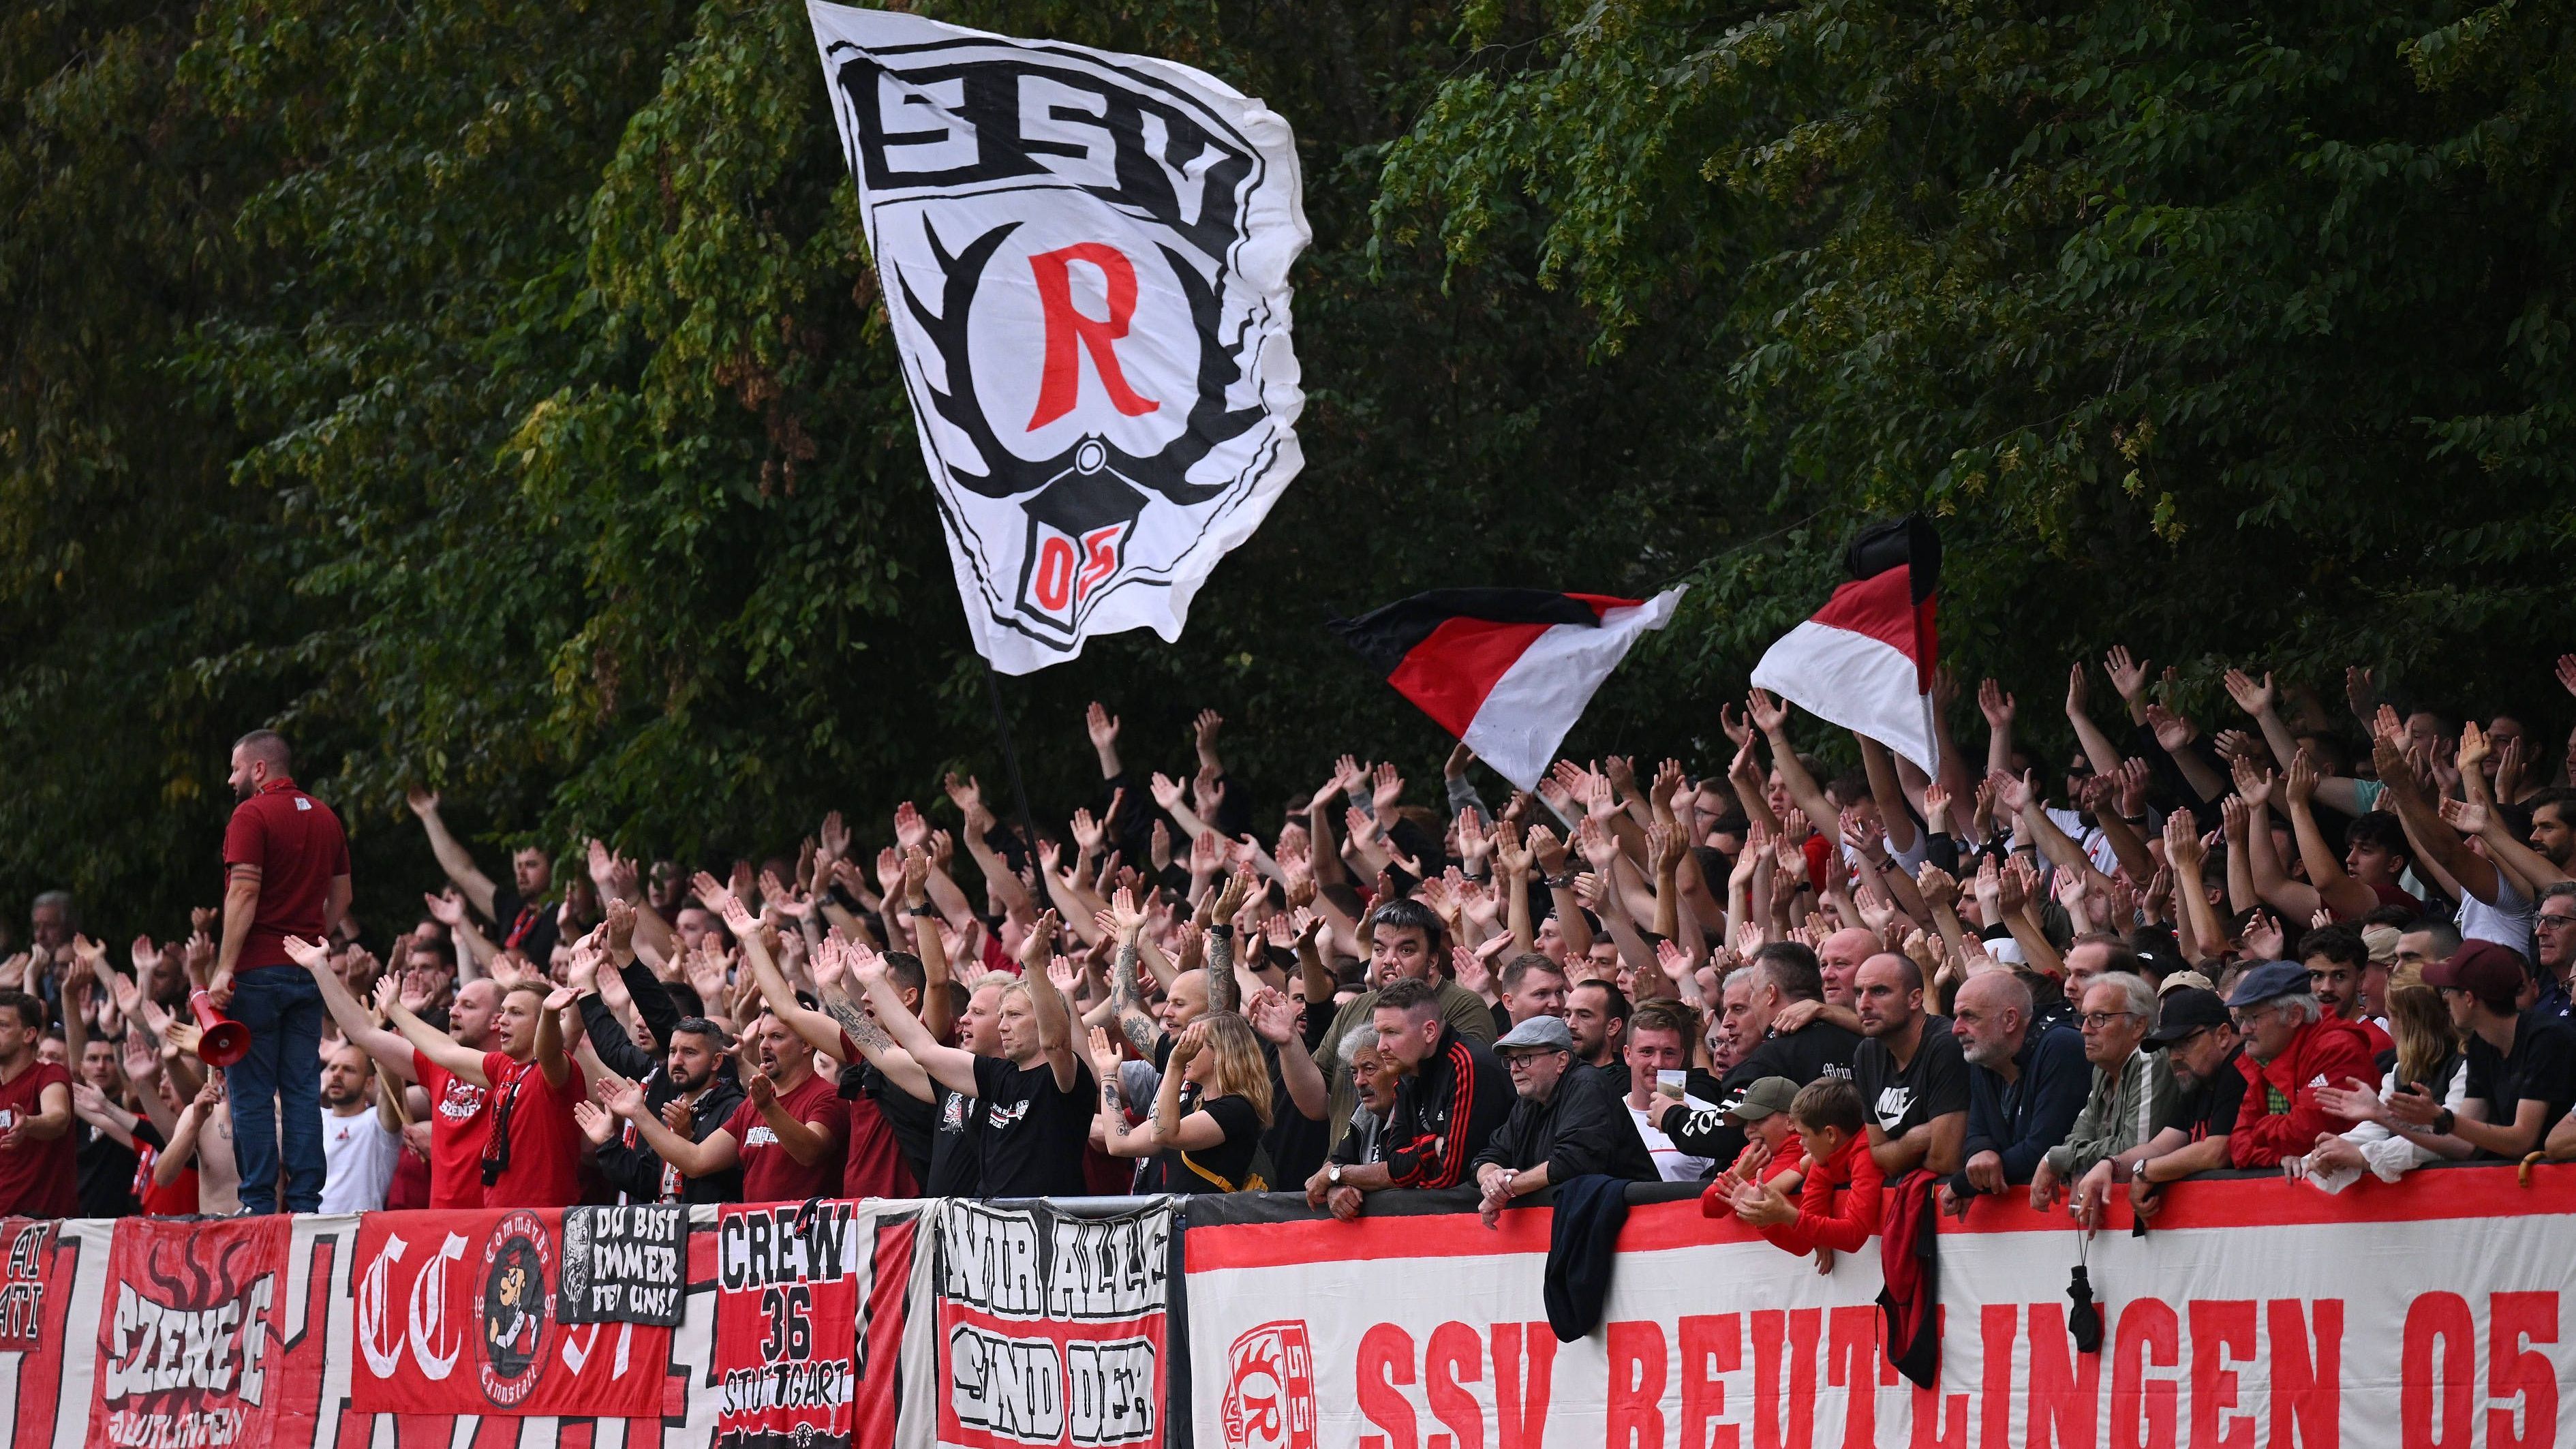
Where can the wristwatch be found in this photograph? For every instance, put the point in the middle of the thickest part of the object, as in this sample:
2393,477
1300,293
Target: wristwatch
924,909
2443,1124
1333,1174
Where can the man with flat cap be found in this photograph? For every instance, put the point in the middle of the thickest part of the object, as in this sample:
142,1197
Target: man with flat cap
1565,1123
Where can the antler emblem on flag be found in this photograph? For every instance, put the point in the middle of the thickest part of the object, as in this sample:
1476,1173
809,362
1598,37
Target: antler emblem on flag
1085,259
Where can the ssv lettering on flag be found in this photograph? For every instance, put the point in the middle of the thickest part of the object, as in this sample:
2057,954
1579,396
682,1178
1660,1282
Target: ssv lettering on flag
1085,258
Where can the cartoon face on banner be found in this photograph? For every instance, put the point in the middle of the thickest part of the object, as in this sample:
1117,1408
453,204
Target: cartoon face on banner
459,1313
187,1339
1084,257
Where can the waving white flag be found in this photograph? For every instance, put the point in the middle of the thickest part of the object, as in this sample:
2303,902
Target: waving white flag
1085,257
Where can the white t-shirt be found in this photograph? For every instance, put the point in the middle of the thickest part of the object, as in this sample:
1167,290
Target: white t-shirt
2507,923
1675,1164
360,1154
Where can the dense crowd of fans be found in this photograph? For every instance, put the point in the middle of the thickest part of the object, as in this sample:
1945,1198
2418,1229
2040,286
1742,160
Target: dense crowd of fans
2336,948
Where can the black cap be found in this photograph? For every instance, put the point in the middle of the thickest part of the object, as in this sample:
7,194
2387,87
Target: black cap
2184,1010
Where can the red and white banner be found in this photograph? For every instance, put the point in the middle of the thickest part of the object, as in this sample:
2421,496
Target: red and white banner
193,1339
2258,1314
2427,1315
811,1302
458,1313
1052,1326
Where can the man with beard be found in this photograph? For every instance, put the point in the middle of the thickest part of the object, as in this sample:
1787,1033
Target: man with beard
1405,941
360,1141
2027,1080
1597,1012
460,1121
2199,1041
786,1136
693,1091
286,874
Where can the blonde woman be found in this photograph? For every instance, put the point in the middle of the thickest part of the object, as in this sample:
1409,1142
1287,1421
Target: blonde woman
2429,1058
1209,1113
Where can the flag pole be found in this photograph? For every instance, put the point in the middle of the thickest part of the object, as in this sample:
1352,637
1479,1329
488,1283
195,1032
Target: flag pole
1010,759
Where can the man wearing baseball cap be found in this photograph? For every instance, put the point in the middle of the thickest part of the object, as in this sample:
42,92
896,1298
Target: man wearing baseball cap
2522,1064
1565,1123
2291,1051
2199,1041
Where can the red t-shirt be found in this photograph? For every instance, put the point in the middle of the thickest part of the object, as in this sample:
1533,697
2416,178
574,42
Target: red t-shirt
770,1173
410,1187
37,1179
297,844
545,1141
179,1199
872,1164
460,1122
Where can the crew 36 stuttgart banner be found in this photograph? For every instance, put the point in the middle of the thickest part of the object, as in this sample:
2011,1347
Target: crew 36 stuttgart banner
1085,258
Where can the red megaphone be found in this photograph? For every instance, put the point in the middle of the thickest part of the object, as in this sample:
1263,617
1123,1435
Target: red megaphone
221,1041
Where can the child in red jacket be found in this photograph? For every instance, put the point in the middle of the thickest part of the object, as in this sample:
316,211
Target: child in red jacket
1837,1208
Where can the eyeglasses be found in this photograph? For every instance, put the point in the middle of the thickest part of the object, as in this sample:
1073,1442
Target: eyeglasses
2101,1020
2249,1016
2553,923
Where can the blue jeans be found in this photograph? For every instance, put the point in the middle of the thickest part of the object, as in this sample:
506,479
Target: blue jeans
282,1074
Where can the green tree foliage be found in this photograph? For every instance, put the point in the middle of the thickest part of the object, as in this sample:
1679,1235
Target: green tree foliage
495,394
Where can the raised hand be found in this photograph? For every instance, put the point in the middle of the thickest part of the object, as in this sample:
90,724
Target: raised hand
1995,705
1939,887
1386,789
2255,787
2250,697
2129,789
2465,816
595,1124
1936,808
311,955
909,828
2473,747
1767,714
2263,936
2173,731
2360,692
1738,727
1101,726
1272,1014
2129,676
967,794
2183,849
1547,850
2015,795
447,908
423,803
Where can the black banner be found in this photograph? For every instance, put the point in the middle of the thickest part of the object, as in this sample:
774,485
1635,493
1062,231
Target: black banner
625,1264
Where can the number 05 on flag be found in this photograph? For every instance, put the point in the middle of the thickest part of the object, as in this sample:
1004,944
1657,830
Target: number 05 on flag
1085,258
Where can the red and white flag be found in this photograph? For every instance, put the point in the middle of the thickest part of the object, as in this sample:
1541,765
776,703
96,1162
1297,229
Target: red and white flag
1865,660
1508,671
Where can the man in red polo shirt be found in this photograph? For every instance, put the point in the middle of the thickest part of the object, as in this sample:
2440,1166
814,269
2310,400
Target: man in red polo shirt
38,1175
286,873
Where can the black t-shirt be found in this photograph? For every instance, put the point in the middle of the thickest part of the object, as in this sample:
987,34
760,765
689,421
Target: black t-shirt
533,925
2540,1068
1934,1084
106,1174
2208,1110
956,1147
913,1121
1296,1142
1034,1132
1818,1049
1221,1168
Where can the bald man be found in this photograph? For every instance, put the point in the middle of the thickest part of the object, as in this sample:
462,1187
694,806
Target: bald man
2026,1083
1909,1069
1839,957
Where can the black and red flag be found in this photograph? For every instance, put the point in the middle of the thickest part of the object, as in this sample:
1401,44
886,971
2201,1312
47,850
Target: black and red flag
1506,670
1865,660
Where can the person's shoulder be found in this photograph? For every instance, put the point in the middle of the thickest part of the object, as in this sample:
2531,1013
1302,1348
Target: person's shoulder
49,1073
